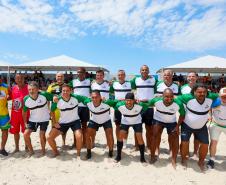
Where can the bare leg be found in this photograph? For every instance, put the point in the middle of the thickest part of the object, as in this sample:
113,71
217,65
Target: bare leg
203,150
155,137
27,139
174,145
89,141
16,139
78,136
184,152
51,140
84,133
43,141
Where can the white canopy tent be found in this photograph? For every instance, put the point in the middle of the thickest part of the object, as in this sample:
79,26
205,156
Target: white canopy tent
206,64
58,63
4,66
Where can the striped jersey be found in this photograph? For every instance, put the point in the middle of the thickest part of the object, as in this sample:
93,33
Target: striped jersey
39,111
197,113
120,90
161,86
145,89
167,114
68,109
131,116
104,88
82,88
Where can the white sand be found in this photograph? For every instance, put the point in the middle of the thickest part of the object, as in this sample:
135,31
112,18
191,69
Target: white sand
16,169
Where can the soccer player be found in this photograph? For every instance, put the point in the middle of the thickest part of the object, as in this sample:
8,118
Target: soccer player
4,115
68,106
165,117
120,88
56,89
167,82
100,117
19,91
131,117
37,103
198,103
82,86
218,125
145,89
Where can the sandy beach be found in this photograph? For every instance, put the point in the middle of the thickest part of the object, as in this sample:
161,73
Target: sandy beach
67,169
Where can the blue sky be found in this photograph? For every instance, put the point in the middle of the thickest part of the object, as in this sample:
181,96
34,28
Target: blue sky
113,33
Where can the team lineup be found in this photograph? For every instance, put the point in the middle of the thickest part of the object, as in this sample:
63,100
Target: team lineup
85,105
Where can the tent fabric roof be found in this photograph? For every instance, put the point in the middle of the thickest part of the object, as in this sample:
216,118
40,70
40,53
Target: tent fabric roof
206,64
61,62
4,65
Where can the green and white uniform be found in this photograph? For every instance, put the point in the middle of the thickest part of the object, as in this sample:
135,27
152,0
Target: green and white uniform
120,90
104,88
82,88
131,116
185,89
197,114
39,111
167,114
161,86
145,89
68,109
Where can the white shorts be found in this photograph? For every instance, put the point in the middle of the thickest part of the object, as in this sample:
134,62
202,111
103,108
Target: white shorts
215,131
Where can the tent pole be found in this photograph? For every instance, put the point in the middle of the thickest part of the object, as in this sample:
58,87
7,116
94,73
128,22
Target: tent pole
8,77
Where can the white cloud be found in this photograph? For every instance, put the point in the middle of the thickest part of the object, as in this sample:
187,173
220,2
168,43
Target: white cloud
16,57
172,24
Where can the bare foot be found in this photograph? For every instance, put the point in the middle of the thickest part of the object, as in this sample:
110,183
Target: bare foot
15,151
153,160
174,164
184,163
201,166
55,154
30,153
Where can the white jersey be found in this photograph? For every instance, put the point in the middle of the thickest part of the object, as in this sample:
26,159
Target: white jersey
197,114
39,111
185,89
120,90
161,86
145,88
100,114
104,89
68,110
130,116
82,88
219,115
166,114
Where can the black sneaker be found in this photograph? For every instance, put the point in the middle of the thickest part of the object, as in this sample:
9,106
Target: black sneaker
210,164
110,154
117,159
3,152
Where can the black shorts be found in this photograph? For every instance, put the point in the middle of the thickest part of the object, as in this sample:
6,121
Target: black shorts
96,126
169,126
34,126
137,127
117,117
83,113
75,125
147,116
200,134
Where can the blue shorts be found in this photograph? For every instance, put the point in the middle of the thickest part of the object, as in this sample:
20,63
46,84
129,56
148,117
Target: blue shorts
75,125
33,126
117,117
137,127
83,113
199,134
96,126
169,126
147,116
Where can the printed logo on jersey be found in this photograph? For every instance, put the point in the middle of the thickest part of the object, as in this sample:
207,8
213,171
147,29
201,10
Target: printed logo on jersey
17,104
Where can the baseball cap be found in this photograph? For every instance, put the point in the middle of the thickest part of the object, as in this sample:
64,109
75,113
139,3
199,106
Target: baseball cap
222,91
